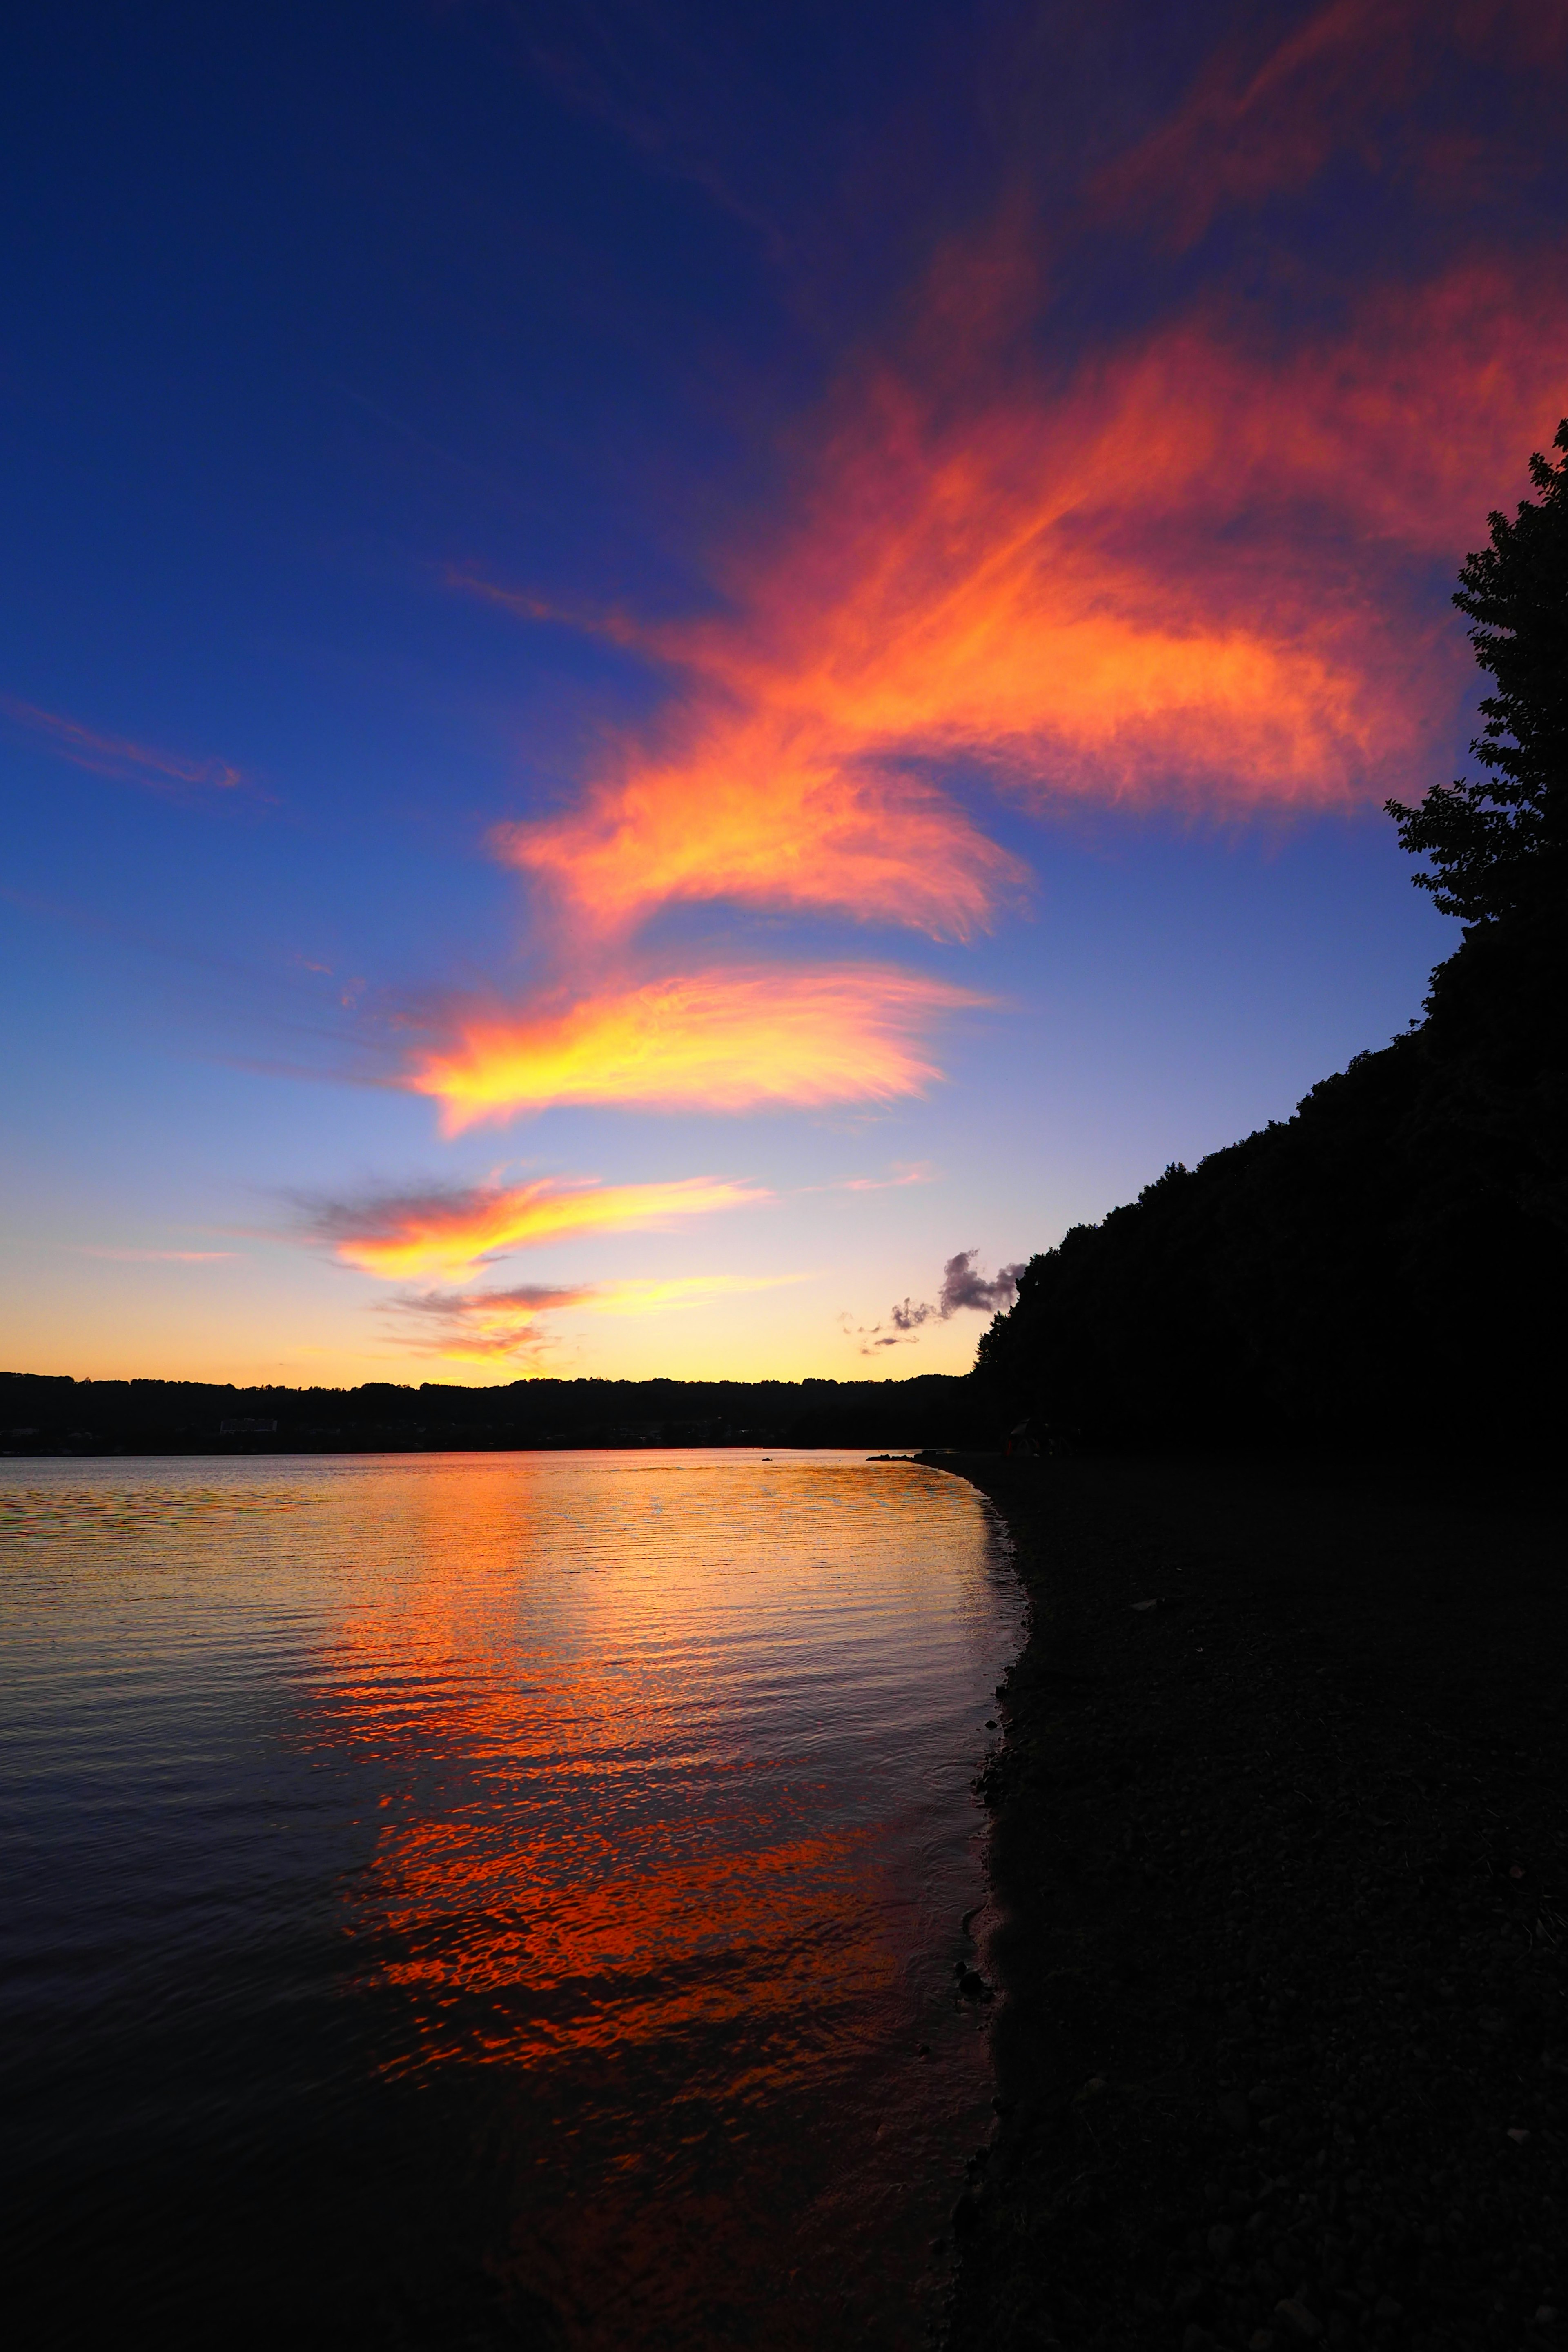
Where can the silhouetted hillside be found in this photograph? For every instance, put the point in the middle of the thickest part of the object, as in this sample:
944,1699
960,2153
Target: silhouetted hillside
44,1416
1391,1263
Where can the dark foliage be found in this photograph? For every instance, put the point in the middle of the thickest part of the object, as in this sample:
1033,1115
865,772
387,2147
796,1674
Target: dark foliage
1390,1266
44,1416
1498,845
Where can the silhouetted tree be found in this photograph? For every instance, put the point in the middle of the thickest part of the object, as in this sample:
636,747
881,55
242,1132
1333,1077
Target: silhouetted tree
1391,1263
1498,843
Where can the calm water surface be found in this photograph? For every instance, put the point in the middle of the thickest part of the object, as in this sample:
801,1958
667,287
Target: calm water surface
490,1899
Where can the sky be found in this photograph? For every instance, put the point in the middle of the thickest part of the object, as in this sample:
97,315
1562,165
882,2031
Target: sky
675,679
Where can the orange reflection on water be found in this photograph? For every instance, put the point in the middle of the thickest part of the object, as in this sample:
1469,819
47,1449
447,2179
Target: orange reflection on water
593,1826
621,1958
651,1737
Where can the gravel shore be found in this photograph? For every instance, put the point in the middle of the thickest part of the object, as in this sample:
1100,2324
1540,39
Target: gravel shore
1279,1838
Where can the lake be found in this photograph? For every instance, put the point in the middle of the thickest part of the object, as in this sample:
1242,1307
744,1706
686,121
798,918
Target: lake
492,1899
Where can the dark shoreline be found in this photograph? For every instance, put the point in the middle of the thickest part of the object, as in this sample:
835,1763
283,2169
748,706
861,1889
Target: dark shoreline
1283,2056
43,1416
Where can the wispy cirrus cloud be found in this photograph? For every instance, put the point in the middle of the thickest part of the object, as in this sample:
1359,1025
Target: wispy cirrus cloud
116,755
728,1039
442,1229
1260,123
901,1174
482,1326
489,1326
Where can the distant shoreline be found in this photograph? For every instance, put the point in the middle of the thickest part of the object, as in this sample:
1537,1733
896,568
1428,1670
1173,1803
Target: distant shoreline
240,1451
42,1415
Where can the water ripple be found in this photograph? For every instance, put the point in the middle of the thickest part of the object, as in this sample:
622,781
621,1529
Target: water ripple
492,1899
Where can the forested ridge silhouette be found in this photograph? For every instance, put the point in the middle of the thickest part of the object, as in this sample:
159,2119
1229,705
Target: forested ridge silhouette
40,1414
1391,1264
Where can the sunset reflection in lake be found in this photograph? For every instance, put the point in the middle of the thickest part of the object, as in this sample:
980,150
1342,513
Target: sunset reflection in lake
497,1899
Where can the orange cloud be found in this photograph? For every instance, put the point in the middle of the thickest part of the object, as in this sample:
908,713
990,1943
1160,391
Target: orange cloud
1177,578
445,1228
480,1326
725,1040
1181,575
765,798
483,1325
113,755
1190,569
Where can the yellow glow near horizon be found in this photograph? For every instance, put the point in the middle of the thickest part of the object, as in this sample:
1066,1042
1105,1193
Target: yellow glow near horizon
483,1325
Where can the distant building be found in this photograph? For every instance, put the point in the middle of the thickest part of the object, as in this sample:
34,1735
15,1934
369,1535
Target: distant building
247,1428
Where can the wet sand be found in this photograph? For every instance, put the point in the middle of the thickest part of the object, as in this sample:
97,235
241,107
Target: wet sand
1281,1838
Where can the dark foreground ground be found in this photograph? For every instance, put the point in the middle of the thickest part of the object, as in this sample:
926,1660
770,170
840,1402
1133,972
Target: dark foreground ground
1283,2051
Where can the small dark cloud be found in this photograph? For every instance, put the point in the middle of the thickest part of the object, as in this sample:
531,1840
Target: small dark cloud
963,1285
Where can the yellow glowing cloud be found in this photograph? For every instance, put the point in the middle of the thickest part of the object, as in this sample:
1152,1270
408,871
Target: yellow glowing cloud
444,1229
726,1040
479,1326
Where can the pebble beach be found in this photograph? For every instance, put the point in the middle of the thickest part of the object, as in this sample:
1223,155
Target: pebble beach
1278,1846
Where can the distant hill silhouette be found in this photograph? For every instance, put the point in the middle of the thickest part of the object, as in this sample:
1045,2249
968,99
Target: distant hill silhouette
42,1414
1391,1264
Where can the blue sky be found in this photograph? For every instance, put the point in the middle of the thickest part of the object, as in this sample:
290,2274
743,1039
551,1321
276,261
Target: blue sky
819,609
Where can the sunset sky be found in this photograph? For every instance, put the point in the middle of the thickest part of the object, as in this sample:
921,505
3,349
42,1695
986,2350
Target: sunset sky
664,667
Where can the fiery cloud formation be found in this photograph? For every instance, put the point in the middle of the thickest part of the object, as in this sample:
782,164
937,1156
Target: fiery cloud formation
113,755
443,1229
725,1040
1181,578
1181,564
485,1325
963,1285
774,804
